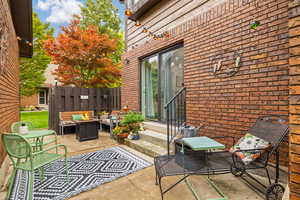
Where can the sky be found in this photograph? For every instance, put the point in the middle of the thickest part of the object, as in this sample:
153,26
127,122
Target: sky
59,12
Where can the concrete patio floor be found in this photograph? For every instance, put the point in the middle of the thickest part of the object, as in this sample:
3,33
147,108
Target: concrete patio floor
141,185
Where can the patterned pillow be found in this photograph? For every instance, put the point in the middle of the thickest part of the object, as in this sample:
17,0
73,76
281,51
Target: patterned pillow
249,142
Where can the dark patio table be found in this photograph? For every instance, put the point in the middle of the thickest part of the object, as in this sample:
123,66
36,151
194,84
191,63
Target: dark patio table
186,164
87,130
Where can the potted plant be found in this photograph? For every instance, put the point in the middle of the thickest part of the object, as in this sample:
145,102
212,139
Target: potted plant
133,122
120,133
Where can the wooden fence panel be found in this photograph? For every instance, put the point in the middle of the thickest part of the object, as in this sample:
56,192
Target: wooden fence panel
69,99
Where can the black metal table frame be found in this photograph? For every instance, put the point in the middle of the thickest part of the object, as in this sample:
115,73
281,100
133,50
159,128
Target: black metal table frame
239,172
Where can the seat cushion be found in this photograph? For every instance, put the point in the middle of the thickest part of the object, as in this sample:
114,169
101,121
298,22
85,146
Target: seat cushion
68,122
77,117
249,142
105,121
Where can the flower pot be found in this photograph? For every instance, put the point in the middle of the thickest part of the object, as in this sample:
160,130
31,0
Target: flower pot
136,137
123,135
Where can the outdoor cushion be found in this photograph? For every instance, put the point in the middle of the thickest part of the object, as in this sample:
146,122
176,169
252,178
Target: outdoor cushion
67,122
249,142
105,121
77,117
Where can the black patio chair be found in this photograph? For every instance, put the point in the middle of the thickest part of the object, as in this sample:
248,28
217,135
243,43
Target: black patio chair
272,129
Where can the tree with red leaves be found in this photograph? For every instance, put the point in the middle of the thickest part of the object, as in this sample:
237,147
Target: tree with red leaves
84,57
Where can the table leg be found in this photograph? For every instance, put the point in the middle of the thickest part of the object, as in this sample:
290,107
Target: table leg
217,189
191,188
209,180
211,183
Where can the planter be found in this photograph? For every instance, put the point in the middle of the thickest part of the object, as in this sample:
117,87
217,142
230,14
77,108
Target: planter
120,138
123,135
134,136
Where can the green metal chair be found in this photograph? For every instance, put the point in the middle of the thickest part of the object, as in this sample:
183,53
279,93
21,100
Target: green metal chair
23,157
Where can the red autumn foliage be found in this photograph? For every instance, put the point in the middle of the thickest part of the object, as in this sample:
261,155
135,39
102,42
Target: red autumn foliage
83,56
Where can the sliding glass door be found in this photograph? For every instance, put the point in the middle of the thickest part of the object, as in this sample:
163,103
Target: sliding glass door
171,77
149,85
161,78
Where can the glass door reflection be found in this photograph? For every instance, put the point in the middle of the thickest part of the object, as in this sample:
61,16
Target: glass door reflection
149,88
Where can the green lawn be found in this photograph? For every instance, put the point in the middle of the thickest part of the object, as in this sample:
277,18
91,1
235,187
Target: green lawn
38,119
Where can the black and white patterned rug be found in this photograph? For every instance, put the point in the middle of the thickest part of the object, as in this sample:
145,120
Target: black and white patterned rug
86,171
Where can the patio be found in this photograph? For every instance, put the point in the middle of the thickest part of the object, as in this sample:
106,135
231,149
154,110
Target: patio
141,184
217,65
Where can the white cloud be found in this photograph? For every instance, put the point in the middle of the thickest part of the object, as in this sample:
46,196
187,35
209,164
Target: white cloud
61,11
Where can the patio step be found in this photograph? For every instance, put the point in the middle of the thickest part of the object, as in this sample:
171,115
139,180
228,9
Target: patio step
155,126
154,137
145,147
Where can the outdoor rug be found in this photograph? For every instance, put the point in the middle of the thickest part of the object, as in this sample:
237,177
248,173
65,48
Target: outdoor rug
86,171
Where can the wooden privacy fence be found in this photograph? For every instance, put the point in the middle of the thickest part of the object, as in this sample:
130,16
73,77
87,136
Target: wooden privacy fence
76,99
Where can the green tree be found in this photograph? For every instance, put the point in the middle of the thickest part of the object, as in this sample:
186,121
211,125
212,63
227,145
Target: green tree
104,15
32,69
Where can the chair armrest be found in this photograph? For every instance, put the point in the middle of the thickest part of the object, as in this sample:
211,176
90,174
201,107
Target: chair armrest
50,148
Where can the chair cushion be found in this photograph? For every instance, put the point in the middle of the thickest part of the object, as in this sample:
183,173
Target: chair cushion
68,122
105,121
77,117
249,142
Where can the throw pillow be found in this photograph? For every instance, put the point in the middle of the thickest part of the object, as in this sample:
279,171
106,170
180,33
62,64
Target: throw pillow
249,142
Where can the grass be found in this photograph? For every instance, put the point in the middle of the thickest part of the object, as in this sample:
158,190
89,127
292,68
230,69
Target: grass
38,119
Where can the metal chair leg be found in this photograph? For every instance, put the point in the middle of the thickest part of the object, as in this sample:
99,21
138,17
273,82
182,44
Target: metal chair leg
160,188
268,175
156,178
66,166
11,183
31,185
111,130
100,126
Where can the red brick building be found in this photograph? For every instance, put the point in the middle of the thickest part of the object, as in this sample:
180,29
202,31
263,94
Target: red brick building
210,33
40,100
15,19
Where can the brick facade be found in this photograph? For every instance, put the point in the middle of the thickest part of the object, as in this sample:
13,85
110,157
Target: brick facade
294,25
227,106
30,101
9,72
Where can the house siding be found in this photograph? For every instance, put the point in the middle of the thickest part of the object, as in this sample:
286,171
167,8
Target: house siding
294,24
226,106
164,16
9,77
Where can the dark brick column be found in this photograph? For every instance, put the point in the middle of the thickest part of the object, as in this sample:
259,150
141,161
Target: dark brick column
294,61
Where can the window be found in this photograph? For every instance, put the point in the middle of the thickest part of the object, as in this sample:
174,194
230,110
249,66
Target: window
43,97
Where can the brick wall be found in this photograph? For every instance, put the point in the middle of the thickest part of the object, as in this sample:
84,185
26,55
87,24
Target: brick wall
227,106
30,101
294,32
9,72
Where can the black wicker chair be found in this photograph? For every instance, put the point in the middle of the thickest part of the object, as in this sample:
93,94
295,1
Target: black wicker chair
270,128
